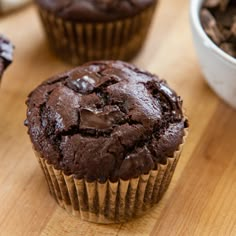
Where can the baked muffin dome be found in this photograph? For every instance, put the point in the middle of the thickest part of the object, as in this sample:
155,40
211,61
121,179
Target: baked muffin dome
95,10
105,120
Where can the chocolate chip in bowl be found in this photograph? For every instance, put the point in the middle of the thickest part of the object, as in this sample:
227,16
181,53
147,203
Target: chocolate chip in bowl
218,18
213,29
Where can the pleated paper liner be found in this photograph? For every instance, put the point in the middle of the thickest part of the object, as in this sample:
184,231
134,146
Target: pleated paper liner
110,202
77,42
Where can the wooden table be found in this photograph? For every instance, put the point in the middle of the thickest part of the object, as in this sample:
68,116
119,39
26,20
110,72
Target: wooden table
201,199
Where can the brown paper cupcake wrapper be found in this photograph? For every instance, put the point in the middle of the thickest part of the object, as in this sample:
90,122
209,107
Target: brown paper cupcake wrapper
80,42
110,202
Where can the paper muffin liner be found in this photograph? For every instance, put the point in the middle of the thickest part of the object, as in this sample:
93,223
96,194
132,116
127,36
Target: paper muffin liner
77,42
110,202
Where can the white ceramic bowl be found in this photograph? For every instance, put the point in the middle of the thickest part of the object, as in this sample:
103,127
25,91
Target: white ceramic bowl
218,67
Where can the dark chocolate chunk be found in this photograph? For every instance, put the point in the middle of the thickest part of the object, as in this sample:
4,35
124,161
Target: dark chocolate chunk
210,26
106,118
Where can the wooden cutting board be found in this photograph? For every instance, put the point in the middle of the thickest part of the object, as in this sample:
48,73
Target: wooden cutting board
201,199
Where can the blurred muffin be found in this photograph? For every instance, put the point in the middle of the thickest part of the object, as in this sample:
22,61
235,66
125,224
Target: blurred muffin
7,6
85,30
108,137
6,51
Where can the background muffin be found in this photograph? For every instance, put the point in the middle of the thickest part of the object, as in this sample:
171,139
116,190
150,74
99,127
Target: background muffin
6,51
108,137
84,30
7,6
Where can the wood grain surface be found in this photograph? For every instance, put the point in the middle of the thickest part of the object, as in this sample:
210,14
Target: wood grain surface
201,199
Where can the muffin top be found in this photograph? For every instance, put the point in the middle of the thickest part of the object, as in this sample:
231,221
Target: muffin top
95,10
105,120
6,51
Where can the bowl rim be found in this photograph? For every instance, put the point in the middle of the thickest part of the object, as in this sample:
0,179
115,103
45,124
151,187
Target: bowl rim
195,6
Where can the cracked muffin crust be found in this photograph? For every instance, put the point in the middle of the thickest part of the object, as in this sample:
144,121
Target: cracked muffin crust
105,120
95,10
6,51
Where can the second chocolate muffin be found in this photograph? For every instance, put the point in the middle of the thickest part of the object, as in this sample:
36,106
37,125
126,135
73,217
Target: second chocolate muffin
85,30
106,124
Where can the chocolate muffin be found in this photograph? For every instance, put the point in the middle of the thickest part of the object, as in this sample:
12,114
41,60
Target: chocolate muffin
108,136
6,51
84,30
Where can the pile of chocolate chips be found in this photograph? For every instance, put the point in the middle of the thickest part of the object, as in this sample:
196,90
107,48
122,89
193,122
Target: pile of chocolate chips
218,18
